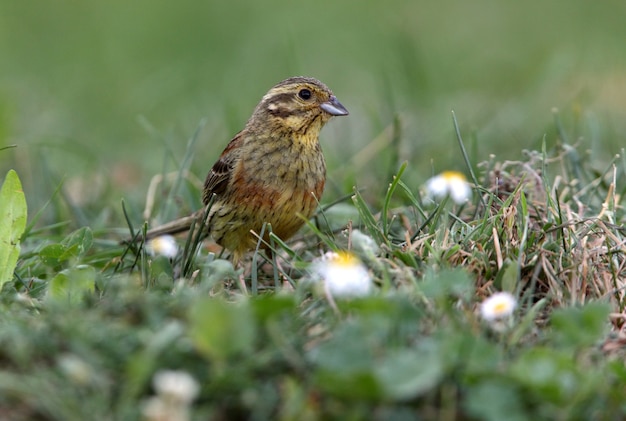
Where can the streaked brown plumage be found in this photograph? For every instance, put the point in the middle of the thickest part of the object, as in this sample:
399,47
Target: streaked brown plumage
272,171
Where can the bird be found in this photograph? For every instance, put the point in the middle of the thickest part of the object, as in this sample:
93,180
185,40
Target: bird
271,172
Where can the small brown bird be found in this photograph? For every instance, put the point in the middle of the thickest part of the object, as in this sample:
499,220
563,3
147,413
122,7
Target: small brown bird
273,171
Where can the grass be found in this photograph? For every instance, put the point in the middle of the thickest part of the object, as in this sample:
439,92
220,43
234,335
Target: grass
88,323
111,115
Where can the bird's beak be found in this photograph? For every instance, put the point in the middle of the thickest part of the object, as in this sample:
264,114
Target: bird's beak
333,107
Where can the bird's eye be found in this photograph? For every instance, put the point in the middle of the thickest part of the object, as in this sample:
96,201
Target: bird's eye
305,94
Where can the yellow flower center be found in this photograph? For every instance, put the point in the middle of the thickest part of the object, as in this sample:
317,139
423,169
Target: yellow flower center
451,176
500,307
346,259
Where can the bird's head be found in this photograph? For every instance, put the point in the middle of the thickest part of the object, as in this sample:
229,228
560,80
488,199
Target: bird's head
298,104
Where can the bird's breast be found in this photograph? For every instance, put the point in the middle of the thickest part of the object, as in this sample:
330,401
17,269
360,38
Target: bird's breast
284,163
281,182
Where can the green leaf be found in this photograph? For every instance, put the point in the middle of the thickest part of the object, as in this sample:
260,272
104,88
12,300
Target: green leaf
507,277
495,400
71,284
346,351
464,348
220,329
13,214
407,373
51,255
548,373
216,271
161,273
74,245
441,285
143,362
580,326
268,306
77,243
356,385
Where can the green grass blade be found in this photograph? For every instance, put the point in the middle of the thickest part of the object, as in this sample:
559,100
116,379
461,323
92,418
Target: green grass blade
465,156
183,169
368,218
384,217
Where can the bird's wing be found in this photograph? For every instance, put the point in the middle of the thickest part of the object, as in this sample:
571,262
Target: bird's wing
219,176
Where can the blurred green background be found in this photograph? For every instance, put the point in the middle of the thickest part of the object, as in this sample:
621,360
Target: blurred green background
107,93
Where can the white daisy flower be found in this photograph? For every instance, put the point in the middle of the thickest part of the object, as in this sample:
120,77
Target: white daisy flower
449,183
175,390
498,307
343,274
177,385
164,245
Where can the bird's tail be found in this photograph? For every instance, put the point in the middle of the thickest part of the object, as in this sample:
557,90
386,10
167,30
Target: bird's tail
171,228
